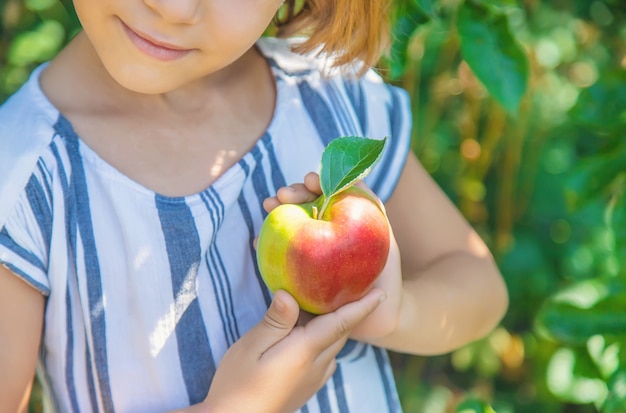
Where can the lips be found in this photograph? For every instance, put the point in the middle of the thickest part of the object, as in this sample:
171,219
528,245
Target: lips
154,48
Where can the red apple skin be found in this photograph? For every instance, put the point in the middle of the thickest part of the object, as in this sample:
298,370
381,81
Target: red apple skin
326,262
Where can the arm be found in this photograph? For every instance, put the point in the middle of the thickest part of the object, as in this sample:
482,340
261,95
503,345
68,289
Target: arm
21,321
443,287
452,292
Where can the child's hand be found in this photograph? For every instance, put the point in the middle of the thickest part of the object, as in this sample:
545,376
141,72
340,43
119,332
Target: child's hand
277,366
384,320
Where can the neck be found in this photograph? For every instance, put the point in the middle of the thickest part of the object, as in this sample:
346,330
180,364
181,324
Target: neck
212,90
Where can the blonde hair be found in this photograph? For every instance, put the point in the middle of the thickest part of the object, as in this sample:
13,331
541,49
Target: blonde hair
352,31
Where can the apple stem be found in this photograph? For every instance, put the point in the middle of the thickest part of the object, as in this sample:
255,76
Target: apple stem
315,215
322,209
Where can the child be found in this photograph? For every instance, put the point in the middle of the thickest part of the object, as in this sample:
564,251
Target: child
137,167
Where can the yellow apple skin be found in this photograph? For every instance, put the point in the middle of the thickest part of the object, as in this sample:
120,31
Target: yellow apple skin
329,261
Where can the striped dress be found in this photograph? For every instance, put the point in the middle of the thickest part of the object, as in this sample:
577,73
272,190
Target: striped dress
146,292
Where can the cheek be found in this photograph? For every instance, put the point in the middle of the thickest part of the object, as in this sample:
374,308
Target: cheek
83,11
90,11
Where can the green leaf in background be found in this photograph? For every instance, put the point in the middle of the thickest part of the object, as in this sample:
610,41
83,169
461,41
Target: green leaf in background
38,45
498,4
616,399
346,160
592,177
604,354
39,5
427,7
615,216
474,406
493,54
602,107
585,309
573,378
407,21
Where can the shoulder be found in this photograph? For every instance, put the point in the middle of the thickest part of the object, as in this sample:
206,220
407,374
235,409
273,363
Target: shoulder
308,67
317,72
26,130
280,55
340,103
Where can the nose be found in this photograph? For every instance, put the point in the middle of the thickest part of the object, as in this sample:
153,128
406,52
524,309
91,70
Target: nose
176,11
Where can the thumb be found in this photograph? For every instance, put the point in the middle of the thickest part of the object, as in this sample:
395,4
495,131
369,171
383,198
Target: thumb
278,321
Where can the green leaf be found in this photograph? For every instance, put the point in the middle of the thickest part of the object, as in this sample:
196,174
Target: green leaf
585,309
493,54
427,7
615,216
408,18
39,5
347,160
498,4
38,45
474,406
602,107
572,377
593,177
616,400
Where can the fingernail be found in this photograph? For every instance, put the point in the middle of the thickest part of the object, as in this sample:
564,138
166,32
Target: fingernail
279,304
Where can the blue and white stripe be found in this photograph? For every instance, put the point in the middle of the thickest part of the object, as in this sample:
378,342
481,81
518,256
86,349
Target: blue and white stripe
145,293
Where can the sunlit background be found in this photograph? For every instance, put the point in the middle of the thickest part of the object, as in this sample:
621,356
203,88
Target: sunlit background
519,113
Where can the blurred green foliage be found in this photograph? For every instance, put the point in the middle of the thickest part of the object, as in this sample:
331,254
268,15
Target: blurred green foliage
31,32
519,111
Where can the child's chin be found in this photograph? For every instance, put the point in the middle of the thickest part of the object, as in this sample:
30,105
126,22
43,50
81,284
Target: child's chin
146,80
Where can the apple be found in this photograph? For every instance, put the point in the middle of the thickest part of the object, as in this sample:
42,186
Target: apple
328,260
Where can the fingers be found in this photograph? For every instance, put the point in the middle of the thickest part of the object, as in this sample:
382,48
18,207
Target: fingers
293,194
308,191
312,182
332,366
270,203
277,323
327,329
367,189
